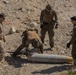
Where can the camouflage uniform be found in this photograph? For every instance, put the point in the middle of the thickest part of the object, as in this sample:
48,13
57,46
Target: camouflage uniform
1,43
48,20
30,37
73,42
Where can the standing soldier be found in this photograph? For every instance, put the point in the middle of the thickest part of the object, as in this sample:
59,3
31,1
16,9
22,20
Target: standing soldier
2,39
73,40
48,20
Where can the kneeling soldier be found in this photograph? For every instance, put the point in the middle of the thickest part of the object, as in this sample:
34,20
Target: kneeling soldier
30,36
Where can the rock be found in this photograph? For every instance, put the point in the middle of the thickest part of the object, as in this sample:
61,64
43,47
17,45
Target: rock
62,52
21,9
53,49
5,1
45,44
12,30
67,33
28,12
33,24
17,31
5,65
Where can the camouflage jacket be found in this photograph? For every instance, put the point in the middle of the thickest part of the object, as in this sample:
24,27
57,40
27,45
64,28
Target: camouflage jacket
73,39
48,17
1,32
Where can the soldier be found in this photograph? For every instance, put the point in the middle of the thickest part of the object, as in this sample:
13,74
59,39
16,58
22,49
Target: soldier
30,36
2,38
48,20
73,40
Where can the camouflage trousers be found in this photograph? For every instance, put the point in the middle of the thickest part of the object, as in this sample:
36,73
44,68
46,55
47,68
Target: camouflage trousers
1,50
74,53
25,44
48,28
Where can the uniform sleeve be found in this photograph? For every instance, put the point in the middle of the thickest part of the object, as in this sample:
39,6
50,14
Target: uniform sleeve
73,39
55,15
2,37
41,17
1,30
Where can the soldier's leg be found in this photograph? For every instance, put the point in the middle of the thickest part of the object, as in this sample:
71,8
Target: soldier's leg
27,47
74,54
51,35
1,50
27,50
41,48
36,43
18,50
43,32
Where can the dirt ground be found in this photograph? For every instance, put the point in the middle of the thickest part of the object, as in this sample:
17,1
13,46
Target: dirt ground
22,14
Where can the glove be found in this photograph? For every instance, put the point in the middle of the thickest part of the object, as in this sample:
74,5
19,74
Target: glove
68,45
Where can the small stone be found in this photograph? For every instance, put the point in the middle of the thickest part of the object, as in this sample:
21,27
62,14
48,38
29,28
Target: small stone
45,43
5,1
53,49
28,12
17,31
62,52
21,9
12,30
33,24
5,65
67,33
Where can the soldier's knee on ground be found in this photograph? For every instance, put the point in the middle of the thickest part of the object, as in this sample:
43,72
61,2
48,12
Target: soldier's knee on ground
14,54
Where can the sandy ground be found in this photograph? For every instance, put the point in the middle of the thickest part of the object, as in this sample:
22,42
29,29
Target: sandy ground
21,66
20,14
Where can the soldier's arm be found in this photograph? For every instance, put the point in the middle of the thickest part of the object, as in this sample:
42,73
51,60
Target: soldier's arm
55,15
73,39
41,17
56,20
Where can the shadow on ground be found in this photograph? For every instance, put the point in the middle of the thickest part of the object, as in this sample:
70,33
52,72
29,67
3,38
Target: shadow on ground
52,70
16,62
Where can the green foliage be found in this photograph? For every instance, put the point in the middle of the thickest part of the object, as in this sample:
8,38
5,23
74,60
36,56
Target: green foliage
70,72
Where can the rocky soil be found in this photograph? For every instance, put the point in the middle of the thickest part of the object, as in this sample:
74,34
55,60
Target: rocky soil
22,14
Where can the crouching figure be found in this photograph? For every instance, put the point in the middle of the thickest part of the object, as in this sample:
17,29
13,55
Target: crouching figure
30,36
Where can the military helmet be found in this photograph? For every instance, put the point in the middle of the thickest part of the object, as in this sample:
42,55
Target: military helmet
48,7
73,18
